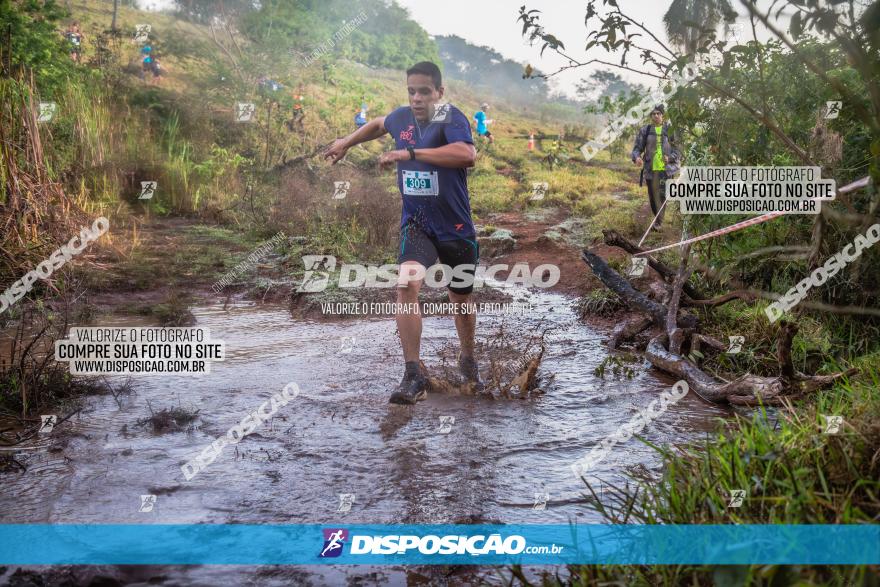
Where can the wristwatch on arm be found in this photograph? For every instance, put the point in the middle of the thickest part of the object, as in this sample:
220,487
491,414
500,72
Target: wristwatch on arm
412,153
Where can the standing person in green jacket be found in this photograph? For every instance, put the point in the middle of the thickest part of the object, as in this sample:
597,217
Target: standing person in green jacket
659,159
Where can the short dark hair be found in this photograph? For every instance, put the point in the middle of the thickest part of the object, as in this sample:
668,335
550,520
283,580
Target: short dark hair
659,108
427,68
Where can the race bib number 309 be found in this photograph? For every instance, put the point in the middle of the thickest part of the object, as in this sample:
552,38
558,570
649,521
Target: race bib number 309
420,183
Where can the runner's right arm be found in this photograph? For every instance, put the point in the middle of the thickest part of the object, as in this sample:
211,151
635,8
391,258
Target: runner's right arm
368,132
639,146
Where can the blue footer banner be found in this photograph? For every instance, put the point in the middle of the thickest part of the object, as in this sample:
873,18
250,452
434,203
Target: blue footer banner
245,544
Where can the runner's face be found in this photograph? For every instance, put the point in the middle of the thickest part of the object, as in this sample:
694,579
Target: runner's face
657,117
422,95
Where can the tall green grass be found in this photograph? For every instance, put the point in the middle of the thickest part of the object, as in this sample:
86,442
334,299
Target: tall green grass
793,472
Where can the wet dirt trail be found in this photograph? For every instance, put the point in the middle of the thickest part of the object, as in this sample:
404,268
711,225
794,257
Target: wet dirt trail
340,436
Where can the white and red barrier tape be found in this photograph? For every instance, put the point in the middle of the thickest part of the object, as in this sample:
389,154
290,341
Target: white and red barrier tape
719,232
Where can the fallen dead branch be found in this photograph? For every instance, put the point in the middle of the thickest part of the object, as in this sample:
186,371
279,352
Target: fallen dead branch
747,389
665,351
615,239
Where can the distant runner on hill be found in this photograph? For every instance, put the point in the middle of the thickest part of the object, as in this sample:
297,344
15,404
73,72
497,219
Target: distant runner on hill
480,118
360,118
298,116
156,68
432,157
75,39
146,65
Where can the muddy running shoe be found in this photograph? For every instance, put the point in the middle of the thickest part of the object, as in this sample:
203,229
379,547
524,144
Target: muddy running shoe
468,368
413,388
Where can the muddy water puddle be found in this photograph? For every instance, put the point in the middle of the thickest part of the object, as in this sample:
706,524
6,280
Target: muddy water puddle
450,459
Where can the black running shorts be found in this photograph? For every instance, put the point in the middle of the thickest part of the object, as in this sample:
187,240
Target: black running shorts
416,245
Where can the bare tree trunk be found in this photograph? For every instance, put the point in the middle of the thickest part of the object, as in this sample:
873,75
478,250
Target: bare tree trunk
664,351
115,12
676,335
623,289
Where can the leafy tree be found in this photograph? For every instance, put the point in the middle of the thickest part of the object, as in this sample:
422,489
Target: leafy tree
31,40
386,37
690,22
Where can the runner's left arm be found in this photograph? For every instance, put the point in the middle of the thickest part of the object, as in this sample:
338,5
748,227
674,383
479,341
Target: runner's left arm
458,154
454,155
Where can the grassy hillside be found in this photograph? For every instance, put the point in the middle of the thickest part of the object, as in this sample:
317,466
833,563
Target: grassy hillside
181,131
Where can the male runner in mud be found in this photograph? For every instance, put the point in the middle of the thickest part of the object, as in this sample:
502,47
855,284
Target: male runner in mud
434,148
